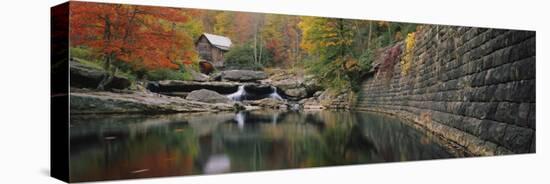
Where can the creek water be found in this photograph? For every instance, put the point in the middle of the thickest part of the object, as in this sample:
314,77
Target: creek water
136,146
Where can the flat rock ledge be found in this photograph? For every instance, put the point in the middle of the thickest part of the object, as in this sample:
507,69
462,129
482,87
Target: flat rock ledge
243,75
208,96
102,102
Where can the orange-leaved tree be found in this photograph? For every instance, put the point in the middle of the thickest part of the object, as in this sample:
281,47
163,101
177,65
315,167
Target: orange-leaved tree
146,37
282,36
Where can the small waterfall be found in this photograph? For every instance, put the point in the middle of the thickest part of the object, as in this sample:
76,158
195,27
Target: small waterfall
242,94
274,94
237,96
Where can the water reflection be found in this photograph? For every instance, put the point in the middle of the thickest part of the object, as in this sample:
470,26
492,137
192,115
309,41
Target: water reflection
135,146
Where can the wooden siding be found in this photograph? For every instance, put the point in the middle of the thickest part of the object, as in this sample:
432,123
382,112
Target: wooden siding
210,52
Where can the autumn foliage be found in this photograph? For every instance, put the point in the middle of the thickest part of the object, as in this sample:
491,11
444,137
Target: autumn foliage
159,41
390,59
142,36
329,42
407,59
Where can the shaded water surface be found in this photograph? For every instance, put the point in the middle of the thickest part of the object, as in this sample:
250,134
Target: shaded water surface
136,146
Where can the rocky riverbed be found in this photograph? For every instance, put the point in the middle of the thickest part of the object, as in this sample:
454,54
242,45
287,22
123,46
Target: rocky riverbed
87,101
230,90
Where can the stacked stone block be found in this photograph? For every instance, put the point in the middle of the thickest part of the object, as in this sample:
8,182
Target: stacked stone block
475,85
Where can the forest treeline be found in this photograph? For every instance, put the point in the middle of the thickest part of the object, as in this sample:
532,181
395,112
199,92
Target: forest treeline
158,42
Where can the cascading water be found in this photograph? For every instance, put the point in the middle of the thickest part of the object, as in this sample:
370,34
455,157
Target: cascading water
274,94
237,96
242,94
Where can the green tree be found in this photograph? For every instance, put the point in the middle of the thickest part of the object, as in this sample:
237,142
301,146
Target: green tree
242,57
329,44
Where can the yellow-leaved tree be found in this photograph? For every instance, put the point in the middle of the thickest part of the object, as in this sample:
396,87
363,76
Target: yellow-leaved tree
406,61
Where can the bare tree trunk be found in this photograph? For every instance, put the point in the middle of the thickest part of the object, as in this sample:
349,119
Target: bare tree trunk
297,47
255,40
110,73
390,40
260,54
359,33
370,35
341,35
107,56
173,49
127,32
255,47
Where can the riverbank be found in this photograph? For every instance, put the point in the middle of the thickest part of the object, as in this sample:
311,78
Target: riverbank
94,91
103,102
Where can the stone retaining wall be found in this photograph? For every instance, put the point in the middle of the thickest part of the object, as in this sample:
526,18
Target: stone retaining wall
473,86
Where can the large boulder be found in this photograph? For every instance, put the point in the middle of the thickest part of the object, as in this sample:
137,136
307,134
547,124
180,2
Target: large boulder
207,96
312,84
289,83
243,75
296,93
183,88
268,103
94,102
83,76
118,82
292,88
171,86
292,84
